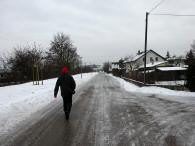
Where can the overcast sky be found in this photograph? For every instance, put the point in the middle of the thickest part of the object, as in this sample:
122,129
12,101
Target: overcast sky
102,30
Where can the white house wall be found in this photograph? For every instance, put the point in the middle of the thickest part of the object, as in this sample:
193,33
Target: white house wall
140,62
115,66
150,54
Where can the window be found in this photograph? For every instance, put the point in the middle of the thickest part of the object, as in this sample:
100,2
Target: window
151,59
156,58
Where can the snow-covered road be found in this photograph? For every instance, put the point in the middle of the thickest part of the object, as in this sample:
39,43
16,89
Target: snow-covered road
104,113
19,102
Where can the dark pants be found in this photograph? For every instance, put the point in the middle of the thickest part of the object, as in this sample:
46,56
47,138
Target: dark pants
67,105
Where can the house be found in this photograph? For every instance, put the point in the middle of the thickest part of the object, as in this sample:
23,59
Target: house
177,61
115,65
115,69
96,68
158,69
137,62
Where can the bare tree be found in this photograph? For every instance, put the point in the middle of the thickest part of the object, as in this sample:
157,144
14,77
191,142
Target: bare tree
193,46
3,62
23,59
121,63
106,66
130,65
62,53
167,55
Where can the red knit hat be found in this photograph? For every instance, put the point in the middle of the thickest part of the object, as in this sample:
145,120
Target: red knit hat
64,70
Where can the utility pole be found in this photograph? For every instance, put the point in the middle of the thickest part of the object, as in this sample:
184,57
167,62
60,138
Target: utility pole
145,51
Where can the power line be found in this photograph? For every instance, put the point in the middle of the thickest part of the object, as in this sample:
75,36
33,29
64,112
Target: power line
178,15
156,6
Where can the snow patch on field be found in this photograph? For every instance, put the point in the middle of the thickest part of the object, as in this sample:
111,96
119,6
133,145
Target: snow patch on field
18,102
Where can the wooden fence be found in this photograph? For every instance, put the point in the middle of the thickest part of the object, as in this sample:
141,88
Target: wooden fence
10,83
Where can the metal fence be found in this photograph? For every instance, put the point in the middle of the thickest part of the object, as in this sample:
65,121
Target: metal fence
141,84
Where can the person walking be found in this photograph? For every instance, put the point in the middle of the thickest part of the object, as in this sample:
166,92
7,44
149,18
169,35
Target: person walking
67,86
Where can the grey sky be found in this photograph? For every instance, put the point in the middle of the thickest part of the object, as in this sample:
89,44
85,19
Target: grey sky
102,30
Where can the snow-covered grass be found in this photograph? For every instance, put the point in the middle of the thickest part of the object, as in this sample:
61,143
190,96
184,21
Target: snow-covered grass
181,96
18,102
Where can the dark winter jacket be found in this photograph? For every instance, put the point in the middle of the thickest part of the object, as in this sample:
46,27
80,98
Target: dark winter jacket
67,86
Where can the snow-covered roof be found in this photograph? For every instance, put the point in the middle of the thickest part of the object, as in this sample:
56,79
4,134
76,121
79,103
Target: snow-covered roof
138,56
135,57
171,68
142,54
148,71
153,64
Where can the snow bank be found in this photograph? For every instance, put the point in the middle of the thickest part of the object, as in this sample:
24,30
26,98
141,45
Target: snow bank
17,102
181,96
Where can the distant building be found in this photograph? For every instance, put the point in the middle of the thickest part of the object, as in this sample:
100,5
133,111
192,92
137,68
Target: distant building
97,68
94,67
